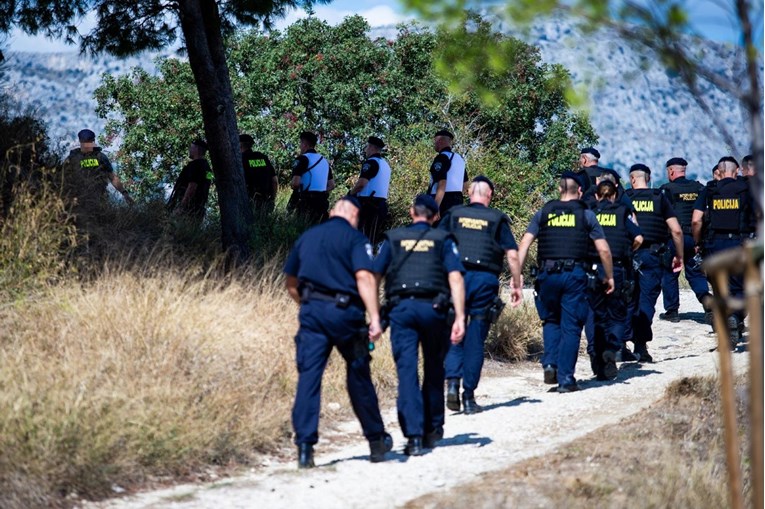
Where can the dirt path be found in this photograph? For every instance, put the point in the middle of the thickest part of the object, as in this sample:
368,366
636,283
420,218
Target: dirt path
521,420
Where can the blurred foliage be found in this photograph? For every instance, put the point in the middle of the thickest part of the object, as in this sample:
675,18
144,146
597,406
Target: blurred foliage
344,85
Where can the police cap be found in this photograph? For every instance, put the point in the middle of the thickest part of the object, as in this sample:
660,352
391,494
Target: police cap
427,201
199,142
579,178
592,151
484,178
677,161
353,200
444,132
309,137
640,167
246,139
377,142
86,135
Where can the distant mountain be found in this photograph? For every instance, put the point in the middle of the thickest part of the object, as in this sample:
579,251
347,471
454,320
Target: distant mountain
641,112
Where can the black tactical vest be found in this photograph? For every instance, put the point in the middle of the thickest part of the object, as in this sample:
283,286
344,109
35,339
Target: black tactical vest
563,234
683,195
476,231
647,203
416,267
728,205
612,217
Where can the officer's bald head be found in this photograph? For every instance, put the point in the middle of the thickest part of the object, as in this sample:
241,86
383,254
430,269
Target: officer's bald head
347,210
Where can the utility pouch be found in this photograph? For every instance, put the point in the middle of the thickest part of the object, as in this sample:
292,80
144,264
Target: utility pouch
441,302
342,300
568,265
592,281
495,309
361,345
628,291
665,259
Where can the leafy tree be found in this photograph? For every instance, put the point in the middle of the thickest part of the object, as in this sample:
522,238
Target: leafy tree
126,27
343,84
661,28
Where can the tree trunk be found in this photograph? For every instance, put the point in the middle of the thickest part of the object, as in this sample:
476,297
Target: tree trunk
201,25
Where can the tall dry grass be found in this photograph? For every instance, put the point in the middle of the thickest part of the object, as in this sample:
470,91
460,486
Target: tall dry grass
134,376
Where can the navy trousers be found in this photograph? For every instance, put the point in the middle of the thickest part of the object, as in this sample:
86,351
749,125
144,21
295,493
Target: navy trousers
562,306
465,359
414,322
607,316
649,282
322,326
694,275
735,282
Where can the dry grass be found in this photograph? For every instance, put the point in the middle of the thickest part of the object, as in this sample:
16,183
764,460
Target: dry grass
136,376
517,335
670,456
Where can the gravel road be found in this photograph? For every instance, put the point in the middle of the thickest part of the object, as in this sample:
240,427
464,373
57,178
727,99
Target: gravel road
521,420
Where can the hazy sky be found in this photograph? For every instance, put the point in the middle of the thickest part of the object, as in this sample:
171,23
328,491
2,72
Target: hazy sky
707,16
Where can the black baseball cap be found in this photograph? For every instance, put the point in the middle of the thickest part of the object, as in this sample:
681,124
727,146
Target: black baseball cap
484,178
86,135
591,151
246,139
199,142
640,167
444,132
677,161
580,178
426,201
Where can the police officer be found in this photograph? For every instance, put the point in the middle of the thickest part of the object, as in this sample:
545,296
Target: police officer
588,165
259,175
682,194
312,180
747,166
484,238
658,222
422,268
91,163
192,188
330,274
448,173
607,319
372,190
729,205
565,228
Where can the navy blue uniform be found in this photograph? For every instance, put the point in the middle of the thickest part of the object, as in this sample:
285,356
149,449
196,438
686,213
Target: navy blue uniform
652,209
414,321
561,286
730,208
325,260
465,359
683,194
608,317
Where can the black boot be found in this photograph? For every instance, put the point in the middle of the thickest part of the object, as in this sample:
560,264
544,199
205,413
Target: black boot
305,456
414,447
641,352
378,448
470,406
432,437
608,369
453,394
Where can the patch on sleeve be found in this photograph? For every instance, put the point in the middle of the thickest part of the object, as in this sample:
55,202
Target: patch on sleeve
455,250
365,167
436,166
370,253
295,163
